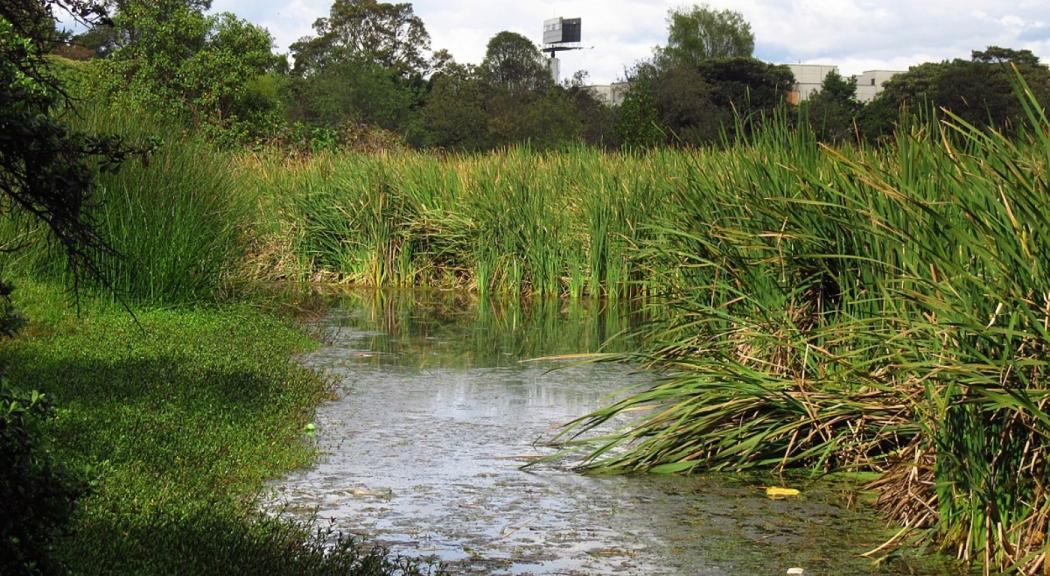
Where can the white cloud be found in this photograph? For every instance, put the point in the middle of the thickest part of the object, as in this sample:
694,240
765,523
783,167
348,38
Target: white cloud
855,34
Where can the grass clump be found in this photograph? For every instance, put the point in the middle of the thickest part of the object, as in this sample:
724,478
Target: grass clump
515,223
175,220
859,309
179,419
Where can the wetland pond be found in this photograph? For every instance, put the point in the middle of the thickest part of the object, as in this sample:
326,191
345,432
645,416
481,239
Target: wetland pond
437,409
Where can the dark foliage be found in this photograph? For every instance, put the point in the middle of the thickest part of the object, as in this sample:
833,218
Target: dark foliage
832,111
46,174
46,170
979,91
37,495
697,105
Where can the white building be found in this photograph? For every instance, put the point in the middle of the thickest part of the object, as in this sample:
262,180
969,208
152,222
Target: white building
808,79
610,94
870,83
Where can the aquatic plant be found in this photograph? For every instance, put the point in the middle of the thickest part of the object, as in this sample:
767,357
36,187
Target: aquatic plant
850,308
518,222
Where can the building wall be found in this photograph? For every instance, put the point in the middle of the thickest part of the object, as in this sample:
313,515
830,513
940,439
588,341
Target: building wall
809,77
610,94
870,83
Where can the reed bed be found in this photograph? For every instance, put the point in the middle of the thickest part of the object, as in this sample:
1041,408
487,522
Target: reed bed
825,308
855,309
516,223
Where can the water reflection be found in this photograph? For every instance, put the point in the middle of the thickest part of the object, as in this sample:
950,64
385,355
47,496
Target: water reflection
441,329
436,413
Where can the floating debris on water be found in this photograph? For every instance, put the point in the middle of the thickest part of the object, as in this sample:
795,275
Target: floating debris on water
780,493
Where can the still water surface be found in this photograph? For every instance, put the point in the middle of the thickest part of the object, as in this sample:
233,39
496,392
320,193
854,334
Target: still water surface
437,410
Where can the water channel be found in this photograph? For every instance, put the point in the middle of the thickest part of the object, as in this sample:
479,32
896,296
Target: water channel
437,408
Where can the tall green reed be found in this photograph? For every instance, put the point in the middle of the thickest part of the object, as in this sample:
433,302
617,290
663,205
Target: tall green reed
516,222
852,308
176,219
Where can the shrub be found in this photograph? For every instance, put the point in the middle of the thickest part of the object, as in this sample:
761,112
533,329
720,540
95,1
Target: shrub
37,494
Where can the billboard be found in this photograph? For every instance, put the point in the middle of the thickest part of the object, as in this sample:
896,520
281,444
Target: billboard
561,30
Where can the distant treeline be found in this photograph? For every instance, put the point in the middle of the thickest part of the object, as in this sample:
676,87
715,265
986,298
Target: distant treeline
368,79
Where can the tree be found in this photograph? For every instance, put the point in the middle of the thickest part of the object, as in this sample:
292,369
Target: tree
997,55
506,100
365,65
833,110
390,35
597,120
521,99
836,88
980,90
172,58
693,105
702,33
683,101
544,119
357,91
453,115
638,125
749,88
700,81
513,63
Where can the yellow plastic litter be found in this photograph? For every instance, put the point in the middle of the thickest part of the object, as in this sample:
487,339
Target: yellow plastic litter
778,493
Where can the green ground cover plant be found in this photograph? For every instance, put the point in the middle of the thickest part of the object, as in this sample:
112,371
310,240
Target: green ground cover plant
176,418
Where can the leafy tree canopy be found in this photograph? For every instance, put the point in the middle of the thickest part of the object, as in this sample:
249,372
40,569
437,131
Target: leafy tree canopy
832,111
998,55
172,57
453,115
390,35
691,105
979,90
702,33
836,88
354,91
512,62
638,124
684,106
747,85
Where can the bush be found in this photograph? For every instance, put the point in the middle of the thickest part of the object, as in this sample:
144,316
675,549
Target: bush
37,494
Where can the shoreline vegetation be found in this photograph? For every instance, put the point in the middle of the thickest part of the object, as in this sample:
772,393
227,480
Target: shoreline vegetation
828,287
173,419
813,307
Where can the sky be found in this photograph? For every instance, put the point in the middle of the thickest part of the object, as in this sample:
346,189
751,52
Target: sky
855,35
